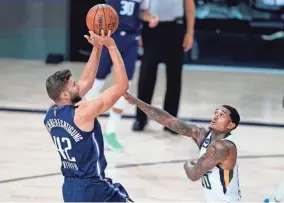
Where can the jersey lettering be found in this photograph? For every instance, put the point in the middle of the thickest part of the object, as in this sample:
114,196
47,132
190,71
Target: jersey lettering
127,8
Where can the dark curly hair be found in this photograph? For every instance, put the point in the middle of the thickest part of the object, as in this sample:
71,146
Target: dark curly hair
234,114
56,82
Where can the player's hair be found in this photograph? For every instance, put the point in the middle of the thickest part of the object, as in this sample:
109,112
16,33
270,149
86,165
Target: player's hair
55,83
234,114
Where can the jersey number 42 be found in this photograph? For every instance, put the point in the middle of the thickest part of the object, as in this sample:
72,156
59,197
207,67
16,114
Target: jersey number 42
64,151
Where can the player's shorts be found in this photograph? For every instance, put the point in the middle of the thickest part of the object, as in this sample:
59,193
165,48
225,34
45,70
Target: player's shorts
127,44
93,190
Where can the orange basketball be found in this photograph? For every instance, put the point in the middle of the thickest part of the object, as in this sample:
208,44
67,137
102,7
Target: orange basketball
102,17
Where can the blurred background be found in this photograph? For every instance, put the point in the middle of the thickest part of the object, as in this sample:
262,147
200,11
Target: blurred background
249,33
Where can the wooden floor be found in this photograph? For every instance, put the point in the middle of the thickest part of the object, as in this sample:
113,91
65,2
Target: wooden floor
151,168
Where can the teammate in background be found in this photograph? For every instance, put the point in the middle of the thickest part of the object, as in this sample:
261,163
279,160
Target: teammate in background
130,12
217,165
76,131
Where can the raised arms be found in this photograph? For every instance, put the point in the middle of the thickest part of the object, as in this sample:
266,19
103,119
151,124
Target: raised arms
217,153
90,70
88,110
195,132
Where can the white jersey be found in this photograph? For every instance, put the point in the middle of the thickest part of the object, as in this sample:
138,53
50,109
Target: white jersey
220,185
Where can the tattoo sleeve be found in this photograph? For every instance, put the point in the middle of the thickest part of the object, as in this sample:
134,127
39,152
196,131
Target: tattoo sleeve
195,132
216,154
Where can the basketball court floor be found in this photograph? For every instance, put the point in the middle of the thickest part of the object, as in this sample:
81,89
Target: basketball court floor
151,167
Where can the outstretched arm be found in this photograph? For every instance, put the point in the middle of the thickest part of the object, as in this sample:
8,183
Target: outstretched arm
217,152
195,132
88,110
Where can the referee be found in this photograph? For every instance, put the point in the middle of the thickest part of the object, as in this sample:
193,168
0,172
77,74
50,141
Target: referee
165,43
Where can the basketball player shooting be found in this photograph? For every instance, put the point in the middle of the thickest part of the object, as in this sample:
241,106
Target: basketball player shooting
217,165
76,131
130,13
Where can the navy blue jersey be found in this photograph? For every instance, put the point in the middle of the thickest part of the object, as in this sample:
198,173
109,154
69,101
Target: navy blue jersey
81,153
129,14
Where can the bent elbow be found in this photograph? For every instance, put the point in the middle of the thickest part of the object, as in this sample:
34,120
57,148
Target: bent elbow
122,89
193,178
126,88
190,174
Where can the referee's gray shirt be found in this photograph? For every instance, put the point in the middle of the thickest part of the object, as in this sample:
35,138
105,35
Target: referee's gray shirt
167,10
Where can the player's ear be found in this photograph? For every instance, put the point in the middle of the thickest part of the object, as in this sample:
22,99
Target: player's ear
64,95
231,126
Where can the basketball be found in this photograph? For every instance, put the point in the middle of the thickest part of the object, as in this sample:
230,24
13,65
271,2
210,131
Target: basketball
102,17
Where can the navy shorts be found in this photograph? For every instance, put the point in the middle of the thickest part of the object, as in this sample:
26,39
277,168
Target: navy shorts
93,190
128,46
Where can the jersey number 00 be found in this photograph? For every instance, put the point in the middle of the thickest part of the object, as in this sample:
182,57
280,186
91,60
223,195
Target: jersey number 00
205,182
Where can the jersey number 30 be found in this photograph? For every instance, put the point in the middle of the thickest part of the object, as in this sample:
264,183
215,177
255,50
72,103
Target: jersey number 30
64,152
127,8
205,182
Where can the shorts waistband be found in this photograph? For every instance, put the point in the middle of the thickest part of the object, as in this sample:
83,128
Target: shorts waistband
82,180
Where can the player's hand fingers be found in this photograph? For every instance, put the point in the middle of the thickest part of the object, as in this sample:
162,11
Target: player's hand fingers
102,33
126,95
128,98
109,33
92,34
88,38
186,45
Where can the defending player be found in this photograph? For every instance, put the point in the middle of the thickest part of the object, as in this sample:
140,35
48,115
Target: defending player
217,165
127,35
76,131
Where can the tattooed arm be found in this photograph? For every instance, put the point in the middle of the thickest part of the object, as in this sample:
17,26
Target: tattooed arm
195,132
217,153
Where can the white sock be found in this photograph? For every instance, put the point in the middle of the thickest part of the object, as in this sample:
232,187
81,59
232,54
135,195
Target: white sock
279,194
113,119
96,89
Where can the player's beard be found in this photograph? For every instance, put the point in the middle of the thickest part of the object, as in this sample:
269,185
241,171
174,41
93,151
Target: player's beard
76,99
